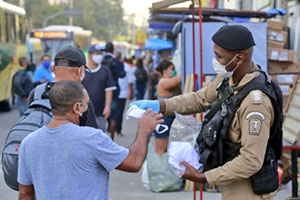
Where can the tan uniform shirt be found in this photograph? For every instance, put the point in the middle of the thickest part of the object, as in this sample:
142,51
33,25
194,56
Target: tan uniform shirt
250,127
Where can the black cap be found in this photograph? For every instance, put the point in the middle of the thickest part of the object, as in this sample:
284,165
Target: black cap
93,48
74,57
234,38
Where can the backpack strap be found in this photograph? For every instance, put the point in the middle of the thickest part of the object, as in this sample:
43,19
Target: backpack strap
40,96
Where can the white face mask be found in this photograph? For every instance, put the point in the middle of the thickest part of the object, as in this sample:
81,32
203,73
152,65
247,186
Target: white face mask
220,69
97,58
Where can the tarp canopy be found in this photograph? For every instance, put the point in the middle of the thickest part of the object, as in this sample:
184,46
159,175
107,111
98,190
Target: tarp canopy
157,44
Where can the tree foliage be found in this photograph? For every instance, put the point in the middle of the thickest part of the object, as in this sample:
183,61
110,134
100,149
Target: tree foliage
103,17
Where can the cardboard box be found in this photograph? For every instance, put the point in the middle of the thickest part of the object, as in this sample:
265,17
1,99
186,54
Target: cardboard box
275,35
275,24
285,99
275,44
283,67
285,55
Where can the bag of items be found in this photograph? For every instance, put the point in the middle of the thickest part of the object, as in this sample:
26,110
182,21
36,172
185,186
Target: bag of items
161,176
182,139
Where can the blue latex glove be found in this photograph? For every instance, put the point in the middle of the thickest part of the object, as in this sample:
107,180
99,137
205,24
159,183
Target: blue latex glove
146,104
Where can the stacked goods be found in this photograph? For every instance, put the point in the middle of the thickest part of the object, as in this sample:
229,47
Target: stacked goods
285,83
276,36
280,60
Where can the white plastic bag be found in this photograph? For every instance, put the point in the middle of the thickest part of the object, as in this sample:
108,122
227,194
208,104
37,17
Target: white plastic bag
182,139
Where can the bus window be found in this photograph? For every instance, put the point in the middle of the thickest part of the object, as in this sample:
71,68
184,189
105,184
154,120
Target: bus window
6,28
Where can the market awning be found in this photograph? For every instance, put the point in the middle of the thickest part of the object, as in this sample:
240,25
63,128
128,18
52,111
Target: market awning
157,44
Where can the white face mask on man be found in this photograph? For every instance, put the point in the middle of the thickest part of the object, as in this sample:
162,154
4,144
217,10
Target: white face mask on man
97,58
220,69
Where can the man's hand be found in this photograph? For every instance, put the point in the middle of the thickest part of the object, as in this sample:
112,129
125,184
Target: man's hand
149,121
146,104
106,112
137,151
192,174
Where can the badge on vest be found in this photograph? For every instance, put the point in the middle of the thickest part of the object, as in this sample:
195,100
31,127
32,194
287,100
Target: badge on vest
255,122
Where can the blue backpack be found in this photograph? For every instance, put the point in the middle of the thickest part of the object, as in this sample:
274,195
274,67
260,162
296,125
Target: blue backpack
37,115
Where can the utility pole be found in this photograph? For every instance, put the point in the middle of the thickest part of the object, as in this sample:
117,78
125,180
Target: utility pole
21,3
71,17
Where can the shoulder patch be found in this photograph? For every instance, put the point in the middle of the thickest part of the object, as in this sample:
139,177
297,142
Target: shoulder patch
255,126
256,97
255,113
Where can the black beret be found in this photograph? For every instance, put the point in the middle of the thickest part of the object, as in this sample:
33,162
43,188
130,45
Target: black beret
234,38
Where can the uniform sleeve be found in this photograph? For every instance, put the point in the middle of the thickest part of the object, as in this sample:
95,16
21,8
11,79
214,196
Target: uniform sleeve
194,102
108,153
24,176
110,83
253,120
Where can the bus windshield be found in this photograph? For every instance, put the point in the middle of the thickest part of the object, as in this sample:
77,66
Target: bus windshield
54,38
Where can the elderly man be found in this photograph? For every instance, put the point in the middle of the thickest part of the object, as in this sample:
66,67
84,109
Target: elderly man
65,161
70,64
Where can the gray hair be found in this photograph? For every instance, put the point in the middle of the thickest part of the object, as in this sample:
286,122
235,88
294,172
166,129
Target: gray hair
63,95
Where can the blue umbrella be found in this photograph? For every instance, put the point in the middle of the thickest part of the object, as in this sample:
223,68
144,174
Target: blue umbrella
157,44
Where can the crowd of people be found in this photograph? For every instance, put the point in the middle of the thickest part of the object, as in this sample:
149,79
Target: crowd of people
239,143
110,80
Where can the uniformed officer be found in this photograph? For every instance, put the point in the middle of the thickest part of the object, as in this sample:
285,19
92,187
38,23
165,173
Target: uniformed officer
250,126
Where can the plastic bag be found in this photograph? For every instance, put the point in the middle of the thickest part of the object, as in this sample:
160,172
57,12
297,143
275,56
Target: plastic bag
183,134
144,177
161,176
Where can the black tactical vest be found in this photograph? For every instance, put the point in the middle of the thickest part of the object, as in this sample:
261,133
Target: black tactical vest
215,147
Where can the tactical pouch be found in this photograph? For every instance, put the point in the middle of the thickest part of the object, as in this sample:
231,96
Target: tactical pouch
266,179
208,144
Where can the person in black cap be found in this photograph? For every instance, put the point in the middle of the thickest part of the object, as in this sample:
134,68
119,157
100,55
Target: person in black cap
233,142
70,64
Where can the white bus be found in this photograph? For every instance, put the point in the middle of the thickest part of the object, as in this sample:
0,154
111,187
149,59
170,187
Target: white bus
13,31
53,38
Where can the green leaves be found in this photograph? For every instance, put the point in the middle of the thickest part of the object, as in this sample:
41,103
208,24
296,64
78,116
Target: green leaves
103,17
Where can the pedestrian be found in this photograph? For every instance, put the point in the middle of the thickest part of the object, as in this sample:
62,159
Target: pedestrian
157,157
22,85
65,161
117,69
99,84
141,79
153,79
69,64
44,72
167,87
241,136
126,91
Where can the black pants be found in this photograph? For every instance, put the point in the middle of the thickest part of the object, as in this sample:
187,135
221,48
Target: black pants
122,103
